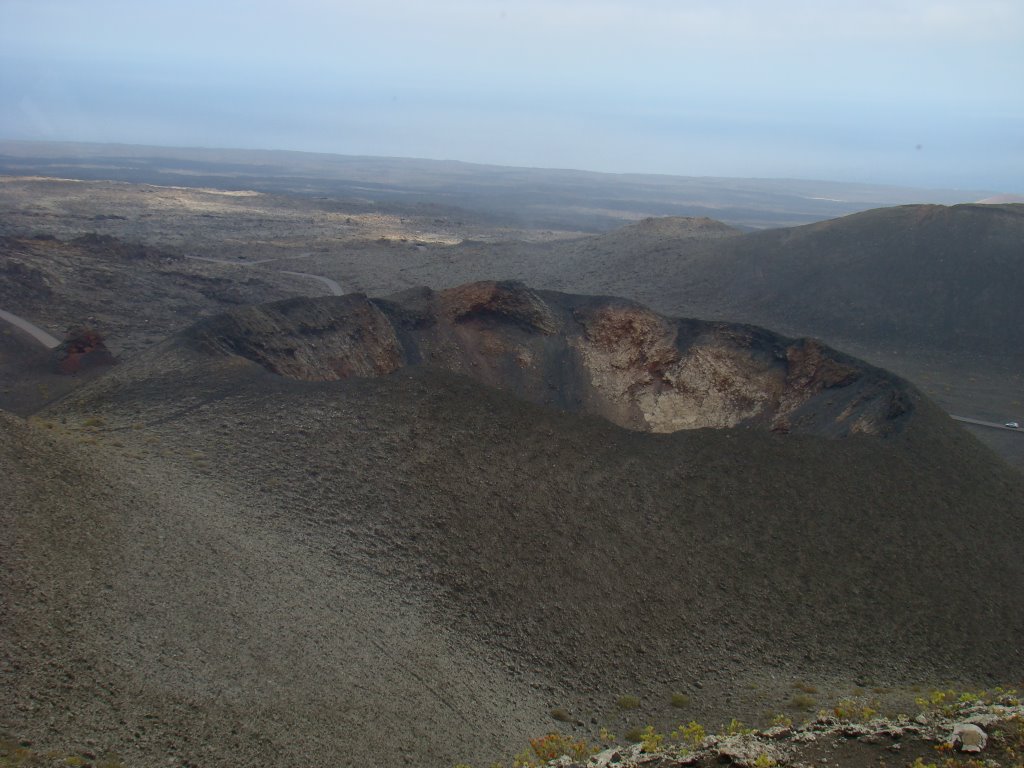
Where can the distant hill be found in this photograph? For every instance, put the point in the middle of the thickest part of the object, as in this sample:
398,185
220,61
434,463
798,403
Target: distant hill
932,276
916,276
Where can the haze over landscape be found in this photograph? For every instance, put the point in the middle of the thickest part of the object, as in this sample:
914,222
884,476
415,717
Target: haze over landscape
528,384
915,93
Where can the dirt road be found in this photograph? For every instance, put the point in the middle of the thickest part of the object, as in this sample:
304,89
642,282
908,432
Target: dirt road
34,331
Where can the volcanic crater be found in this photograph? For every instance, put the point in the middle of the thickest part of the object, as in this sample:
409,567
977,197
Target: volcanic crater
604,356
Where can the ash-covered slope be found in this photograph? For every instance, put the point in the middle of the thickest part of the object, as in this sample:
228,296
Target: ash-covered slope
132,293
603,356
915,276
289,545
151,613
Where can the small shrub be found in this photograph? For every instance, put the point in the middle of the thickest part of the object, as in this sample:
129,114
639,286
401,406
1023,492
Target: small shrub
802,701
680,700
1008,697
805,687
1010,737
651,740
561,715
556,744
852,710
693,733
945,702
737,728
628,702
763,761
634,735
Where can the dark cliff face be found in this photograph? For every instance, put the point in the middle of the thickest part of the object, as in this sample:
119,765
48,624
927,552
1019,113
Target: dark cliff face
598,355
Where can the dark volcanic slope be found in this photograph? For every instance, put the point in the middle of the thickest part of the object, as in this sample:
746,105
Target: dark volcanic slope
151,613
570,557
134,294
938,277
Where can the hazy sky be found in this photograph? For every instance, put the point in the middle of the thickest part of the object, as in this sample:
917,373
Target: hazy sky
920,92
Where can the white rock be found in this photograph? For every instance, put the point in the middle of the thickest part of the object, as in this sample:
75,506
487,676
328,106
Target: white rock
968,737
614,756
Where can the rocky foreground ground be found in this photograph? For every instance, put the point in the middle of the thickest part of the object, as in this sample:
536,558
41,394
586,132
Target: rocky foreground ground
970,730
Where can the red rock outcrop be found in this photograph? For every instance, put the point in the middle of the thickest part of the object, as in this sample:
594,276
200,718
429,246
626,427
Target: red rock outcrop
82,348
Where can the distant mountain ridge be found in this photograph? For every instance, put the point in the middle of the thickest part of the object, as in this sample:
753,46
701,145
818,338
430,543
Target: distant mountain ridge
534,197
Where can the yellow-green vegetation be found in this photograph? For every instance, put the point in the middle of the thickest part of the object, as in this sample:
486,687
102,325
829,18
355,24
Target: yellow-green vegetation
949,762
94,422
849,709
554,744
1009,737
1006,740
628,702
650,740
692,734
737,728
684,738
803,701
799,685
680,700
948,701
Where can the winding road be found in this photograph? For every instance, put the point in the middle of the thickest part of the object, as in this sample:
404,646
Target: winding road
37,333
993,424
332,285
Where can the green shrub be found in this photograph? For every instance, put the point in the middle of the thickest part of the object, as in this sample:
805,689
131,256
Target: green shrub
802,701
628,702
693,733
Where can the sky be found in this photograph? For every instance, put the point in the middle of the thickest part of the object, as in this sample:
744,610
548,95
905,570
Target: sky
911,92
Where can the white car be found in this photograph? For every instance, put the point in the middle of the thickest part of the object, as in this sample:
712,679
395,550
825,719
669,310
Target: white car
1012,425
